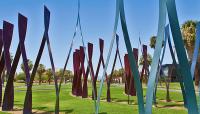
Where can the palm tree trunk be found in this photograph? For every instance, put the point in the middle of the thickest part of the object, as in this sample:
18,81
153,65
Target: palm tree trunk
40,79
167,91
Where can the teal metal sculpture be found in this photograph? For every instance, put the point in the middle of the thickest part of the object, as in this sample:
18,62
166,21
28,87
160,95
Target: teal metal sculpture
120,12
182,57
164,6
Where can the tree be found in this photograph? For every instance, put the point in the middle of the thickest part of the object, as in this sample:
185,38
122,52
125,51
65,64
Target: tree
49,74
152,42
149,60
40,71
116,75
21,77
188,30
68,75
59,73
30,65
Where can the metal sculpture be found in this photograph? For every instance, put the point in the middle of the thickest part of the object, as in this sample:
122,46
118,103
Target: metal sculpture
89,69
127,69
78,88
184,70
179,45
28,99
180,78
2,64
130,87
8,100
117,54
85,73
76,72
133,65
108,56
145,69
101,61
132,90
82,68
159,71
195,54
132,61
78,82
89,62
196,50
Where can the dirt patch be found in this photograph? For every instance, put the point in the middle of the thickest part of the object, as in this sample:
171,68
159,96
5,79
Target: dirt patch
20,111
179,105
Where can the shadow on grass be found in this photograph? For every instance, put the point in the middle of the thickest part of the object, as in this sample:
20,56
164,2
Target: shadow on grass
172,105
64,111
40,108
103,113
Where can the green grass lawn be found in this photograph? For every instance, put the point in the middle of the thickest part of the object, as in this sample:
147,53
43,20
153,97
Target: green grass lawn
44,99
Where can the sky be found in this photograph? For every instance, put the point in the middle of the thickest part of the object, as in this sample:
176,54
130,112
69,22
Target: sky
97,19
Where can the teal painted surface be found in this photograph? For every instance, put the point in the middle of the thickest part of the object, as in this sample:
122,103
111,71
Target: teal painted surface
133,65
181,54
109,54
156,56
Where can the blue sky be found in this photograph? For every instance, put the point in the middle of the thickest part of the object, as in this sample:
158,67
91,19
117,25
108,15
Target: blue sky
97,18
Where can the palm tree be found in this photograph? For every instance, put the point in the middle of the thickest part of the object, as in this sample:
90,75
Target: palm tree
149,60
152,42
40,71
188,30
30,65
49,74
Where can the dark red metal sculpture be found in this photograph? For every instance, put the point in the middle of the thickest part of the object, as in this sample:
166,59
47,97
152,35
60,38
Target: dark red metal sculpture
28,99
8,100
79,89
2,64
129,84
90,53
101,61
84,73
75,73
77,78
78,82
9,90
126,67
117,54
145,69
132,90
